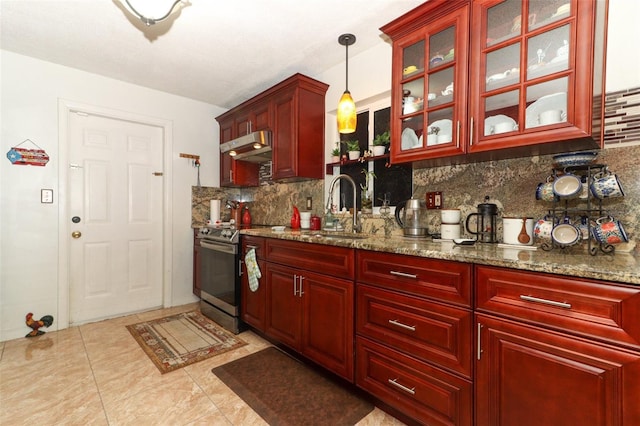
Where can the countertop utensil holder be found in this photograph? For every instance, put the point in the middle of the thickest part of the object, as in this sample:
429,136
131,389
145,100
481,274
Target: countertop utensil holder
589,208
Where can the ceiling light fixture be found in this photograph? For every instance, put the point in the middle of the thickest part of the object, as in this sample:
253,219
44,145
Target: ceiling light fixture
346,107
153,5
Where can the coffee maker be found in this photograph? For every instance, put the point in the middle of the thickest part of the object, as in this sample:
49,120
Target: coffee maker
486,222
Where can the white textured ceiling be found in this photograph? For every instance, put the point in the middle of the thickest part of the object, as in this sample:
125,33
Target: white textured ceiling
218,51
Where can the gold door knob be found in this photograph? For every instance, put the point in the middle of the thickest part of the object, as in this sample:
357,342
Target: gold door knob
76,234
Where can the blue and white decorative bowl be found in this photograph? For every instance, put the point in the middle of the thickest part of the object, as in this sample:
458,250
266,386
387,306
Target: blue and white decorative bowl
575,158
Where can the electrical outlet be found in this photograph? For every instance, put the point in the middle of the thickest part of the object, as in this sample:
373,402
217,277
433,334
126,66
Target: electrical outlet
434,200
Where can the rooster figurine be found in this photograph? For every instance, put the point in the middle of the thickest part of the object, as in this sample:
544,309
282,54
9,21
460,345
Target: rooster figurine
45,321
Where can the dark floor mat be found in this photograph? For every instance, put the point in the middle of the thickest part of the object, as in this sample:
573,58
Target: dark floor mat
283,391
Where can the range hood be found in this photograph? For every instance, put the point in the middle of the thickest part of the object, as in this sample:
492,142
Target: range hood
254,147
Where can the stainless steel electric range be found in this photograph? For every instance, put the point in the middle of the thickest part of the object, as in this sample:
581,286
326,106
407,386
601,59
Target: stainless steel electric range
219,274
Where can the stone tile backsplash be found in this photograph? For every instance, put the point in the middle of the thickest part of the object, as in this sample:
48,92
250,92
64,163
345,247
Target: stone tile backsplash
509,183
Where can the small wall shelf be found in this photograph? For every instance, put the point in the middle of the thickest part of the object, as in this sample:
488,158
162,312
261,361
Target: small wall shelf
330,166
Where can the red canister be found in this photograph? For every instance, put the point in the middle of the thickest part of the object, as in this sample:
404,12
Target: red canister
316,223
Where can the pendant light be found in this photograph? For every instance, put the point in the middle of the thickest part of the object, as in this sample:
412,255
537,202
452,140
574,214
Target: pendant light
346,107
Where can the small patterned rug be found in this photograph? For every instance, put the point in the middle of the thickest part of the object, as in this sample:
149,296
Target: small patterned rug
179,340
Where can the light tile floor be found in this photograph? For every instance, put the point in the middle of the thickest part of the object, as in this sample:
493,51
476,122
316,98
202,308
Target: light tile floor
96,374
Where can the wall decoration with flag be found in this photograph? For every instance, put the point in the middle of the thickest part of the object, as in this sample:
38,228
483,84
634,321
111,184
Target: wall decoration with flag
26,156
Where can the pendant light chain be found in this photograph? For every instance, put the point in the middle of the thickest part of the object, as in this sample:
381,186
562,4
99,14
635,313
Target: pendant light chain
346,76
346,113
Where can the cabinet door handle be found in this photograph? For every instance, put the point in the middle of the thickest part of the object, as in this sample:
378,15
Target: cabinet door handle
300,292
479,347
471,133
403,274
395,383
295,284
458,134
546,301
401,325
240,262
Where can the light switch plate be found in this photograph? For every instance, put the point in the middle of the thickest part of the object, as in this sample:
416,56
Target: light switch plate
46,196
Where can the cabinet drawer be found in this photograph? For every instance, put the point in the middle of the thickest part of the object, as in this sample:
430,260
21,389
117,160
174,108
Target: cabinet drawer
423,392
251,242
428,330
436,279
329,260
596,309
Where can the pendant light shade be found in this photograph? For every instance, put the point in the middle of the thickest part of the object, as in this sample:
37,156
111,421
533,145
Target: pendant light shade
347,117
346,114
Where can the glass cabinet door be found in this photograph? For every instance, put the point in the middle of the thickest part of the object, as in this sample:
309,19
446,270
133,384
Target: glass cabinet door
524,69
430,84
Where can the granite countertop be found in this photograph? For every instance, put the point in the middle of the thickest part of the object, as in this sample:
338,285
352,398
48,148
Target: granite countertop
575,262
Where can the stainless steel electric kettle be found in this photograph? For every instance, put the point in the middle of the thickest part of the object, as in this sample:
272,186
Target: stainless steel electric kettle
411,215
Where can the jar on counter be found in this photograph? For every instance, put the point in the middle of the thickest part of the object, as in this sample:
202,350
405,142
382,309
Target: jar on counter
316,223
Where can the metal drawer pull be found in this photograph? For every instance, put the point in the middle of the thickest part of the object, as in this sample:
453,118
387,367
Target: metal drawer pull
395,383
252,247
295,284
401,325
300,292
403,274
546,301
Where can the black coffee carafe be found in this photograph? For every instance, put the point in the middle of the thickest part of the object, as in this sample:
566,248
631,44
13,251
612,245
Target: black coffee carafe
486,222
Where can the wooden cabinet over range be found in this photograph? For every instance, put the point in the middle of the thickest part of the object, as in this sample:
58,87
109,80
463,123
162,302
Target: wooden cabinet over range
292,112
488,79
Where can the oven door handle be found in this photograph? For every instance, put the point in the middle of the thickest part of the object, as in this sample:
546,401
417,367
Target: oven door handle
225,248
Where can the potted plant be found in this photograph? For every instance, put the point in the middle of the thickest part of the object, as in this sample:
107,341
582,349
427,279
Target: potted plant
335,155
380,143
365,194
353,148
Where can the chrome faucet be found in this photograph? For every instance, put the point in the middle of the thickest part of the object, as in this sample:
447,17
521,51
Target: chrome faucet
357,226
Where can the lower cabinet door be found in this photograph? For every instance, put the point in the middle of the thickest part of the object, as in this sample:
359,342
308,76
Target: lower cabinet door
528,376
421,391
284,306
253,305
327,322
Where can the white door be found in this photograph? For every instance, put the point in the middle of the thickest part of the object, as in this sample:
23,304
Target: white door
115,214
